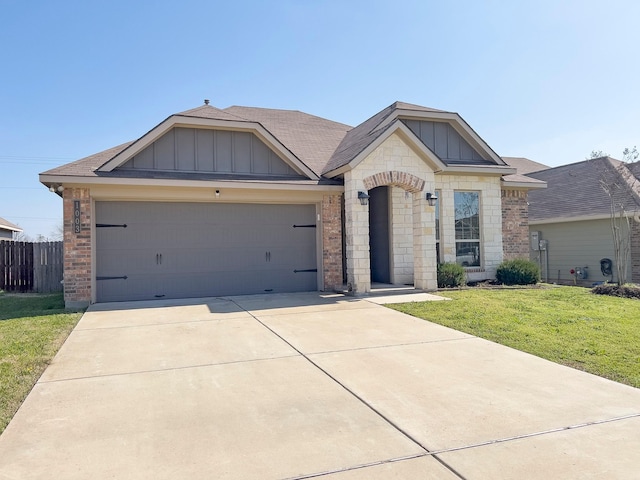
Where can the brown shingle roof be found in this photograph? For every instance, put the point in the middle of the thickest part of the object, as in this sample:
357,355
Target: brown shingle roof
575,190
321,144
524,165
312,139
85,166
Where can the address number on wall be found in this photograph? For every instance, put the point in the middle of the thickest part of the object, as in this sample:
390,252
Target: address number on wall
76,216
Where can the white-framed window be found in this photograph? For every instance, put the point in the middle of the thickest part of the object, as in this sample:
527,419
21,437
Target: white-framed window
467,227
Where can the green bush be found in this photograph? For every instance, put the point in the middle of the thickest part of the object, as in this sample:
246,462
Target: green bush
615,290
451,275
518,272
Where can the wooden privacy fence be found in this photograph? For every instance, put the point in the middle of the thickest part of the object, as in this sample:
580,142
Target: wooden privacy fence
31,267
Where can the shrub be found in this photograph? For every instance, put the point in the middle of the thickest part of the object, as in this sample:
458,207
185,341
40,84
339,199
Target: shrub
615,290
450,275
518,272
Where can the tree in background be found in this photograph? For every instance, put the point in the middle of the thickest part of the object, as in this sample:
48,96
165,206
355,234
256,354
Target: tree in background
620,185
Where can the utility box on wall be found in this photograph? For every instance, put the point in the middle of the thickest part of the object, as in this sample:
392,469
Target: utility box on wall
535,241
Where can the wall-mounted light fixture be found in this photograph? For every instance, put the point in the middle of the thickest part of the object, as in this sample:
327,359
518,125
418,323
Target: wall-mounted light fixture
432,199
364,198
56,188
217,193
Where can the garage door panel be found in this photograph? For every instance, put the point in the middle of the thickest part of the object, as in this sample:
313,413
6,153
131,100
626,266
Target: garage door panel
175,250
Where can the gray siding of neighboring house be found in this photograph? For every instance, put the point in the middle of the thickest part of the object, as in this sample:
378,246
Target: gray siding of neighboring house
6,234
576,244
210,151
446,142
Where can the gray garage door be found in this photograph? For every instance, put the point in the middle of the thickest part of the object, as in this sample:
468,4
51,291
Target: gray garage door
180,250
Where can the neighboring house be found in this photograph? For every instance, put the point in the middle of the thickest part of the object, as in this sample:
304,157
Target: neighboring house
8,230
249,200
573,217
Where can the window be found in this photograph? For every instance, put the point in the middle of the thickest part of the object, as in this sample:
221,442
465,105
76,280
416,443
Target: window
467,218
438,257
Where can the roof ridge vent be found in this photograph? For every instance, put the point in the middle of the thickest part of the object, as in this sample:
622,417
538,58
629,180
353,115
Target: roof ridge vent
206,101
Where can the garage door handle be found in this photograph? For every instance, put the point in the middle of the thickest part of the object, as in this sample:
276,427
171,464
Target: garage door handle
158,259
267,256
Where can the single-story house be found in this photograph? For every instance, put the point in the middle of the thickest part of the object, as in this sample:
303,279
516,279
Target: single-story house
572,219
8,230
247,200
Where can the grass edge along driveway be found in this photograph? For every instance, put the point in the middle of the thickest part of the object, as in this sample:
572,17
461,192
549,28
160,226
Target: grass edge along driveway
568,325
33,327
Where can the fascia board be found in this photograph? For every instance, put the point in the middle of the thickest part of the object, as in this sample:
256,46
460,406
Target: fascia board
459,124
482,169
70,182
582,218
181,121
523,185
7,227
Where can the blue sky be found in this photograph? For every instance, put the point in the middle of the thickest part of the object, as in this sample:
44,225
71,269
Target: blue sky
547,80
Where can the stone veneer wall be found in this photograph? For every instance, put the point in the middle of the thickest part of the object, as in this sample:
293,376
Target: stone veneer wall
515,224
392,159
77,249
332,241
635,252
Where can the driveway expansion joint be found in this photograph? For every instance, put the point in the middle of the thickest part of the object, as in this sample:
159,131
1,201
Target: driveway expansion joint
360,399
391,345
168,369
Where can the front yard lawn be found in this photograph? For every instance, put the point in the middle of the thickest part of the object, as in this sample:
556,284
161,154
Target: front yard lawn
32,329
568,325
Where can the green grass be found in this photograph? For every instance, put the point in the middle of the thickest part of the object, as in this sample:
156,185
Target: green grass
568,325
32,329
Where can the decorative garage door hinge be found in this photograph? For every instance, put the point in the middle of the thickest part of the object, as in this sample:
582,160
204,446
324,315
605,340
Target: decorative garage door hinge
110,225
307,270
305,226
112,278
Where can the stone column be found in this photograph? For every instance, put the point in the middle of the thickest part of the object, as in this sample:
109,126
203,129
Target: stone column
357,238
424,244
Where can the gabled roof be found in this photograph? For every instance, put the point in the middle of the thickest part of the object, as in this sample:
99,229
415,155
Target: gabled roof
356,142
312,145
575,191
7,225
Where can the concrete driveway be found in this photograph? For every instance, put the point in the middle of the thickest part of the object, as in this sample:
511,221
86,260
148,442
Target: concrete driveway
306,386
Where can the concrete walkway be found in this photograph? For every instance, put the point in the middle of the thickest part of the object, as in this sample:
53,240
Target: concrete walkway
309,386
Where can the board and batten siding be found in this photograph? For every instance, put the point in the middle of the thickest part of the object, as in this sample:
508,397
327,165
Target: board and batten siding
210,151
446,142
576,244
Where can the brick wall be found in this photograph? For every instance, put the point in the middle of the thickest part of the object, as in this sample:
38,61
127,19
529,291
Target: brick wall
515,224
635,252
332,241
77,249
